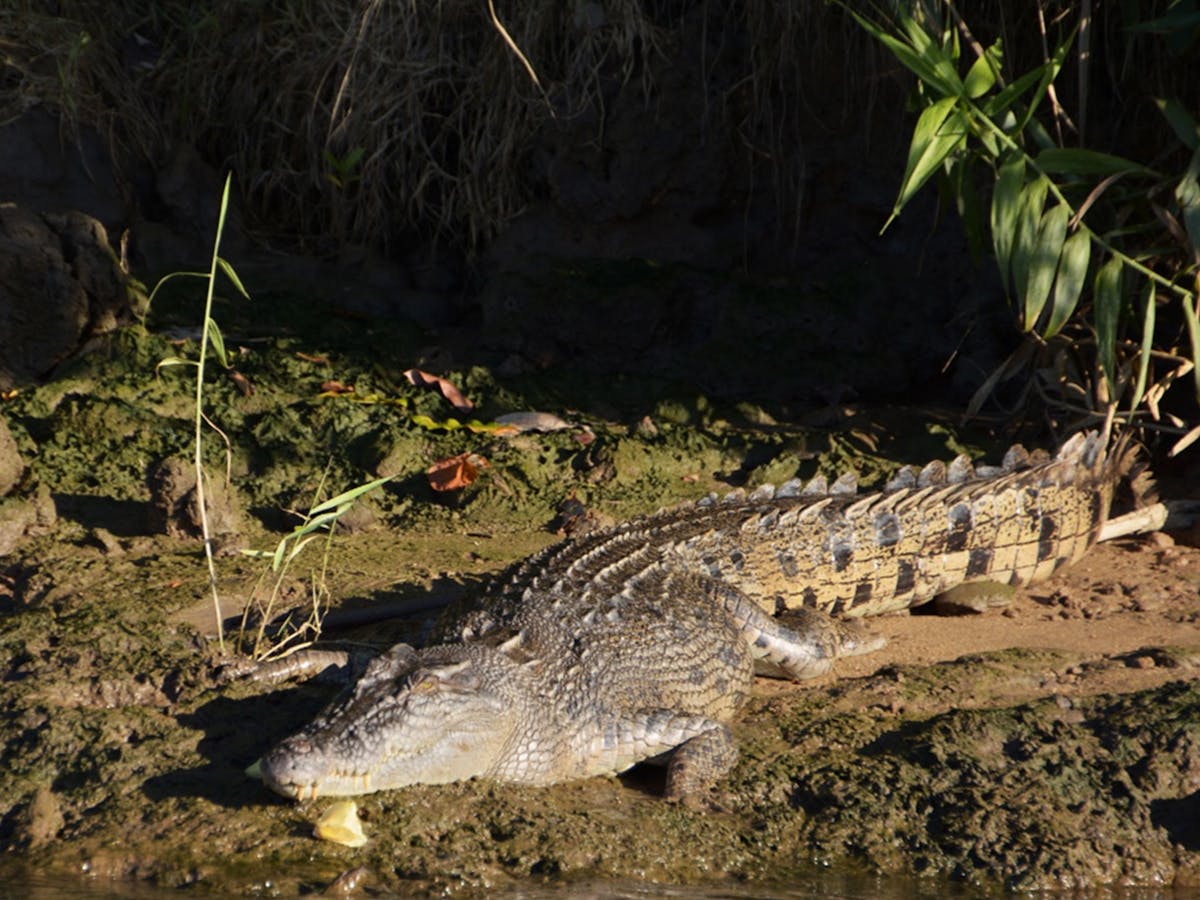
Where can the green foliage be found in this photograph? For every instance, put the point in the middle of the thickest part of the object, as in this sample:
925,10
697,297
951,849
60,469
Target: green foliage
322,517
1074,230
293,635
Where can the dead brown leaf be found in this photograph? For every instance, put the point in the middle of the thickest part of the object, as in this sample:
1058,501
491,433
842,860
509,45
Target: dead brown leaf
455,472
452,394
334,387
312,358
243,383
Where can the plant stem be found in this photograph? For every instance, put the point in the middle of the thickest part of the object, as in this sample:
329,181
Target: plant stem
200,498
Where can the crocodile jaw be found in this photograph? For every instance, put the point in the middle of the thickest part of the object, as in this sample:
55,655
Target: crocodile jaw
304,766
420,724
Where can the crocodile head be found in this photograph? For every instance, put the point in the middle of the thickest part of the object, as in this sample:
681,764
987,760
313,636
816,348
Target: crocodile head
413,718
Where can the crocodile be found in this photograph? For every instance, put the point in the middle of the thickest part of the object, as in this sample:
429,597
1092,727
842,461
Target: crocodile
640,642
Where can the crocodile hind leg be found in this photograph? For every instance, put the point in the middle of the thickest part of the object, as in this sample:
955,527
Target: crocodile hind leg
801,644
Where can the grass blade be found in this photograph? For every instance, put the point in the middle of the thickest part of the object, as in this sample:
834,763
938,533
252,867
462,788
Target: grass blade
347,496
232,276
217,342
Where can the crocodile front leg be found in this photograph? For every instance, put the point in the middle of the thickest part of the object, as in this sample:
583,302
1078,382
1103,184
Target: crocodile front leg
698,750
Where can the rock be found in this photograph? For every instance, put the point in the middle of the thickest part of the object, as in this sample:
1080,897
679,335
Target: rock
175,509
41,821
21,517
60,286
12,467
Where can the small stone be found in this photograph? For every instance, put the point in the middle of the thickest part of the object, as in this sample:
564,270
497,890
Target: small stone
1160,540
1141,662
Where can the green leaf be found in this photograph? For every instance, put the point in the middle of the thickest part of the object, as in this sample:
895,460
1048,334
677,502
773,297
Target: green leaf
1181,122
1187,194
934,55
1181,17
1043,263
935,137
217,342
1006,204
349,496
982,74
232,276
168,361
1089,162
1049,72
1028,225
1191,318
970,208
1148,316
999,103
1107,291
1072,272
912,59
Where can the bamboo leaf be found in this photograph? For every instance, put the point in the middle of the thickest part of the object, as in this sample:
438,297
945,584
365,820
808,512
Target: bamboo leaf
999,103
935,137
910,57
1187,194
1181,122
1049,72
1029,220
982,74
1043,263
1068,286
1107,291
1006,205
1148,316
1191,318
1074,161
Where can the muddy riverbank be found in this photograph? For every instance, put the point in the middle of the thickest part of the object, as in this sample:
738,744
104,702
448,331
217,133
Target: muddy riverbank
1053,743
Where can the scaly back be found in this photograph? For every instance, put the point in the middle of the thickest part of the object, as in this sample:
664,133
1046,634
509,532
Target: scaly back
842,552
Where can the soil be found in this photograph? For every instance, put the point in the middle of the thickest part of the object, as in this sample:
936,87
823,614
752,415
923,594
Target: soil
1053,742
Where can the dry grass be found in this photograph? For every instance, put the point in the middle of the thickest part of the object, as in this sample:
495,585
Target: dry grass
389,122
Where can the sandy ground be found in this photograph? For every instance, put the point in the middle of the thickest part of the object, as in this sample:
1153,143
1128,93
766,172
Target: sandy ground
1123,599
